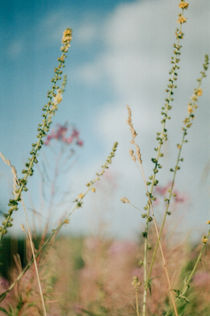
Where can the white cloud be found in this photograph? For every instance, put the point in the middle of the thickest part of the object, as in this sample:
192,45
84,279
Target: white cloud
138,40
87,33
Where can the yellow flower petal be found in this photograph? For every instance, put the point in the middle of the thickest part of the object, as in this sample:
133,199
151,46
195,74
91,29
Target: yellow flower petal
80,196
182,19
183,5
58,98
199,92
190,109
204,239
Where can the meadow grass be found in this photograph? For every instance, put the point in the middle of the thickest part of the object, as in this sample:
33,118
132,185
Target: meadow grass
95,275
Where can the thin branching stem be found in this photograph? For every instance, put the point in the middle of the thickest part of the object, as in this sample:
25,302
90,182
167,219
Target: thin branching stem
78,202
192,106
187,282
138,158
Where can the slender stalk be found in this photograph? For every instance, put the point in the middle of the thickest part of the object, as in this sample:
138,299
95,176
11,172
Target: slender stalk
137,303
145,274
34,259
187,283
192,106
48,111
166,209
171,294
161,138
78,202
189,279
137,157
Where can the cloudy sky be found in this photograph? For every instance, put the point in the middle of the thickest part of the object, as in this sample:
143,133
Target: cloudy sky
120,55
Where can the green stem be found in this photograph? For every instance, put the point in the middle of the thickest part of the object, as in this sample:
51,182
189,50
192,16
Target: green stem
145,272
137,303
167,207
189,279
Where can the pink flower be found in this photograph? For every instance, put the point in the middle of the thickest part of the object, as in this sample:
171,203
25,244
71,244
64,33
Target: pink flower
69,140
75,133
61,134
180,198
162,190
79,142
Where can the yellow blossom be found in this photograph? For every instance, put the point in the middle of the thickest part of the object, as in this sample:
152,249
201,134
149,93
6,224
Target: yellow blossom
190,109
199,92
204,239
93,189
61,58
67,36
186,120
179,34
65,48
183,5
80,196
194,97
58,98
208,222
182,19
66,221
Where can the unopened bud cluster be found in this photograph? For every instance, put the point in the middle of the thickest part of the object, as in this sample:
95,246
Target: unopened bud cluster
90,184
192,106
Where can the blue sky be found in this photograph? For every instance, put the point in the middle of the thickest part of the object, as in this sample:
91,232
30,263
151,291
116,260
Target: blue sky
120,55
31,34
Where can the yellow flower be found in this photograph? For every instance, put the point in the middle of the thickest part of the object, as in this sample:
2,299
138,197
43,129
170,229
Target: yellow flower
58,98
67,36
80,196
61,58
194,97
182,19
199,92
66,221
208,222
179,34
183,5
93,189
204,239
190,109
65,48
186,120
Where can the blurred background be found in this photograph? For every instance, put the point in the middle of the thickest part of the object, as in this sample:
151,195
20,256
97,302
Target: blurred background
120,55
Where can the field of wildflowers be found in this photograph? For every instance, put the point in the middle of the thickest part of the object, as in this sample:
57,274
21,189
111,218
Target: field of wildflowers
46,272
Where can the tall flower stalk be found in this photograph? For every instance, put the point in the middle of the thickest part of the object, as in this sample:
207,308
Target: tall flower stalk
192,106
54,96
136,157
162,136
